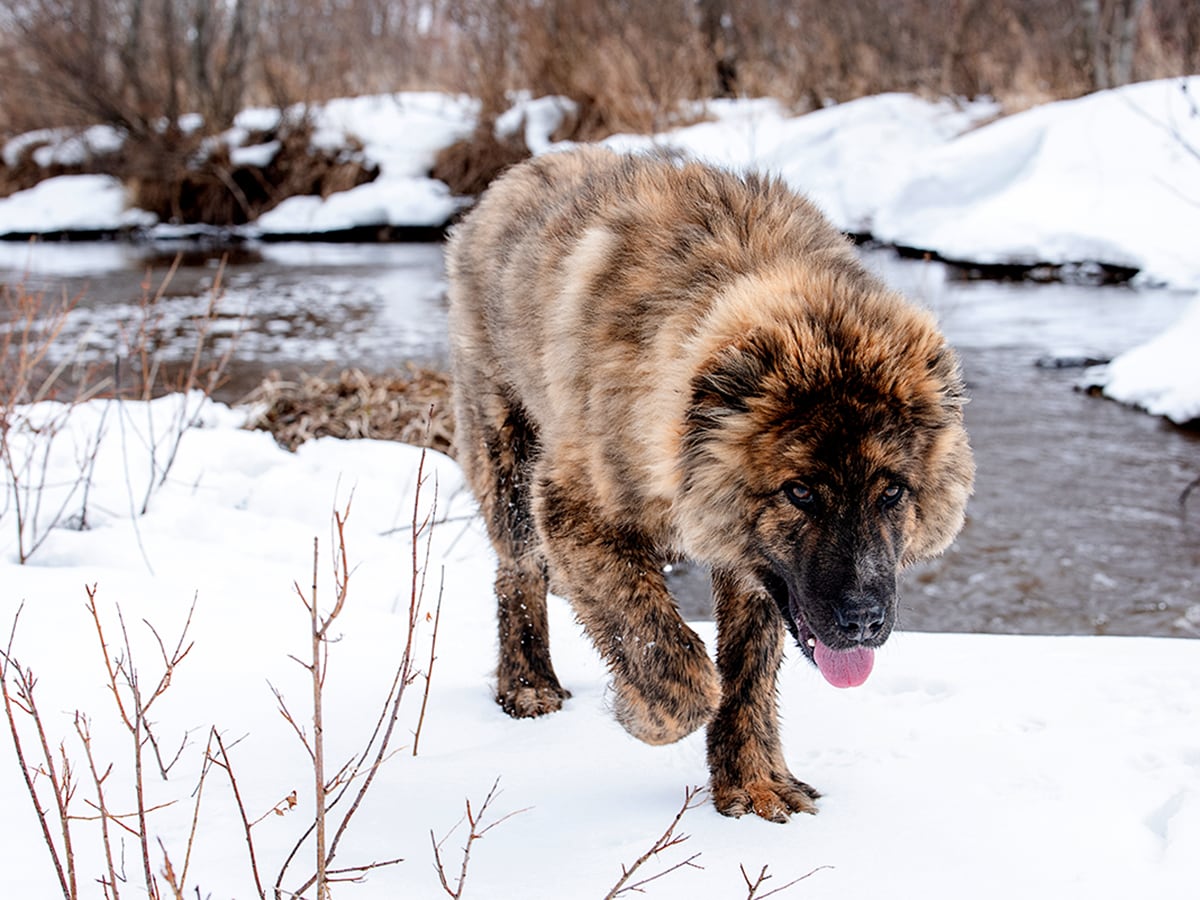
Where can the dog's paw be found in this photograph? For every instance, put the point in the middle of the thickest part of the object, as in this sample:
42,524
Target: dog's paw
671,707
526,701
773,799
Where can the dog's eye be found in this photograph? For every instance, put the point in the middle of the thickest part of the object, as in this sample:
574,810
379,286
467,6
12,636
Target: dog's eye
892,495
800,495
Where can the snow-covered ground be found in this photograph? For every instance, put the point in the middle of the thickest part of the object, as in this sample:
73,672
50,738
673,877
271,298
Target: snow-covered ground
981,765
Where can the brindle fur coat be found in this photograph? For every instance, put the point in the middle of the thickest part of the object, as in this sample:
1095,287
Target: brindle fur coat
654,359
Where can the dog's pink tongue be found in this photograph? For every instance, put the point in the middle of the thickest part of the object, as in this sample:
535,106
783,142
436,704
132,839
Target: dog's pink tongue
844,668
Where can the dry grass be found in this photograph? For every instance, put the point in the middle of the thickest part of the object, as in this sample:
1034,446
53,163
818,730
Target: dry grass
411,406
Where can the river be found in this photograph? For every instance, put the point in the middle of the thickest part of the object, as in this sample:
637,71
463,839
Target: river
1076,526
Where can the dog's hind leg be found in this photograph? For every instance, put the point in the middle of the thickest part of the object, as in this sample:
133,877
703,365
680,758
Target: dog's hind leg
745,756
526,684
665,685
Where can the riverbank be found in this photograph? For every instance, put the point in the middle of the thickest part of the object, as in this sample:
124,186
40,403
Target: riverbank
1102,188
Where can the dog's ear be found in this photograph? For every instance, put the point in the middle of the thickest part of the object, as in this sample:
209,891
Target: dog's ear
944,367
732,377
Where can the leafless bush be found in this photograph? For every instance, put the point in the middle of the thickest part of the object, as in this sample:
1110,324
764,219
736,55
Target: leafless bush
343,789
627,65
42,388
54,770
189,387
136,65
51,771
34,414
470,165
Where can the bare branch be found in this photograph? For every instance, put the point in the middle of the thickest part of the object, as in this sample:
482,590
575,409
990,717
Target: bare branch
692,798
24,682
225,764
763,878
474,821
437,621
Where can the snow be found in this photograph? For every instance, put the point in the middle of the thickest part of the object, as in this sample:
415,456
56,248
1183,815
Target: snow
394,201
849,158
71,203
400,133
63,146
1113,177
257,155
1002,766
537,118
1162,375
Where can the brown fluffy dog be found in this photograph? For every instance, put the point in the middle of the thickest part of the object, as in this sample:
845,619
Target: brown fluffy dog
655,359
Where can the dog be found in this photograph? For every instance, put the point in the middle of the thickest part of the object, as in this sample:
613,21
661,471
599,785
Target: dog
654,359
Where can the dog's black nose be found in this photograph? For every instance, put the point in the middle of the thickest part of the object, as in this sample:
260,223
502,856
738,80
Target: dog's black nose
860,622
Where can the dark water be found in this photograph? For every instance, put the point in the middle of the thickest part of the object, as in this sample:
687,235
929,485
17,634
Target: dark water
1076,526
286,307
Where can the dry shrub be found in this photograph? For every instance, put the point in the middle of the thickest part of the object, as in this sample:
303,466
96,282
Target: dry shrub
206,186
470,165
629,67
189,179
355,404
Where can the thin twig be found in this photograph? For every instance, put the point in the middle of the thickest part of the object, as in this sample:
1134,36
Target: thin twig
60,784
474,833
83,729
318,742
763,878
225,764
691,799
437,621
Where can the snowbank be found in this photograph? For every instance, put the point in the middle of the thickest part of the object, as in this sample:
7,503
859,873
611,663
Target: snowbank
71,203
1113,177
1161,376
849,158
1110,178
999,766
399,202
402,134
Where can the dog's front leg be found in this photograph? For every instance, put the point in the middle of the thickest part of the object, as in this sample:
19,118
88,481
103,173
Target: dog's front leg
745,756
664,682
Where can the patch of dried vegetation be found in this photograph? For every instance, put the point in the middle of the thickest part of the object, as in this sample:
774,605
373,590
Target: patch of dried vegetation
412,406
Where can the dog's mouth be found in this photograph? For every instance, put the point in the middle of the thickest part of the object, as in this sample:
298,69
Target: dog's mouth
841,668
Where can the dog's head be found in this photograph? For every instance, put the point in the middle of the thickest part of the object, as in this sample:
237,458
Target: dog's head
825,451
